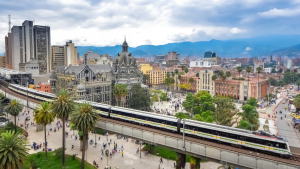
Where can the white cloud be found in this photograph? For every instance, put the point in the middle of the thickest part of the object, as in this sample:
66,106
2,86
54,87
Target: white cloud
237,31
248,48
280,12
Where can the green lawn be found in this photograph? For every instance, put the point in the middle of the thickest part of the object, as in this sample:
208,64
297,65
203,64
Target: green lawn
54,162
164,152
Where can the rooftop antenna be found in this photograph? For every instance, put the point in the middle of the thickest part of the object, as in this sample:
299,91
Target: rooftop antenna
9,23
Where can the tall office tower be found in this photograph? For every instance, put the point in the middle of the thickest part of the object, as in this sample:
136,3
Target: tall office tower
57,56
8,52
17,44
42,47
70,54
28,42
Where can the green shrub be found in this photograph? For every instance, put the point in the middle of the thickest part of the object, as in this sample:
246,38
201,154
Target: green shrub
58,152
33,165
74,156
39,154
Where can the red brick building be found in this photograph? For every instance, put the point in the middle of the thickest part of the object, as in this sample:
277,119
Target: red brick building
44,87
185,80
242,89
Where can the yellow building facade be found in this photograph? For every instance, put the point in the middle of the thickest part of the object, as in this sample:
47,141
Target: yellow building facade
156,76
145,67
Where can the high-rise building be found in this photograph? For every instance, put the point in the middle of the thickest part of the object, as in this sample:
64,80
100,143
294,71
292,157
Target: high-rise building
42,48
31,41
8,51
57,56
64,55
2,61
71,53
279,60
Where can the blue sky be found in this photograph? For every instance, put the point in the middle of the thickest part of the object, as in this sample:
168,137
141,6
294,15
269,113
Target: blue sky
105,22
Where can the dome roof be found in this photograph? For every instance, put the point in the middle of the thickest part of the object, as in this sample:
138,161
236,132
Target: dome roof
70,85
80,87
53,75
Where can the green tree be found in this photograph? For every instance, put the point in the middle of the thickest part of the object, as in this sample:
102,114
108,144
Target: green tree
259,70
248,70
203,102
186,70
243,124
252,101
182,68
188,104
120,91
228,74
43,115
62,107
221,73
163,97
239,69
298,83
14,108
139,98
84,118
176,71
146,78
225,112
191,80
273,82
13,151
181,115
205,117
296,102
197,74
250,115
155,98
179,76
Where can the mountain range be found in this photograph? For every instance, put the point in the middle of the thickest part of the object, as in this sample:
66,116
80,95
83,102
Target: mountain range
247,47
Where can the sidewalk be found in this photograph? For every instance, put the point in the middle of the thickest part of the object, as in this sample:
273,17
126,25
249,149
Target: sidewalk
129,160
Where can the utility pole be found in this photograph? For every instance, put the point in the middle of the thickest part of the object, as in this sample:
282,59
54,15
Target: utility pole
27,97
141,149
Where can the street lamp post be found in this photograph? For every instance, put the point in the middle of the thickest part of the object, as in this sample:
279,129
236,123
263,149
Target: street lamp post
141,149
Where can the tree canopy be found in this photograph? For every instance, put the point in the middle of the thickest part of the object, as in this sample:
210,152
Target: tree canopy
139,98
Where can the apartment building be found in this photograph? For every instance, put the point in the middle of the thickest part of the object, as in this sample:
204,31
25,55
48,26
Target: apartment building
8,51
156,76
64,55
2,61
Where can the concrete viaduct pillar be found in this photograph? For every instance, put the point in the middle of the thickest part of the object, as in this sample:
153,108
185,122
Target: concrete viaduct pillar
195,162
180,160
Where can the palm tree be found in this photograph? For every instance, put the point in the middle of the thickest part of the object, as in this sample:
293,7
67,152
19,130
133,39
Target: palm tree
214,77
221,73
62,107
182,68
223,78
13,151
176,71
248,70
259,70
123,93
14,108
186,70
117,92
43,115
84,118
228,74
239,69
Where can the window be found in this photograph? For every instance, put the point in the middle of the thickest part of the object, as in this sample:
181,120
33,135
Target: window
245,87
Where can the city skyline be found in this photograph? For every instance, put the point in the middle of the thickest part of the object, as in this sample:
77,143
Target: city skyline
93,23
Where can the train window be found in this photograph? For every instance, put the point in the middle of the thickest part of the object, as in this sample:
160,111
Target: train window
232,136
241,137
277,145
223,134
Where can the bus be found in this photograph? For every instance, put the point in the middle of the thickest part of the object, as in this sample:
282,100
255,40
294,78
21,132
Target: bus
291,101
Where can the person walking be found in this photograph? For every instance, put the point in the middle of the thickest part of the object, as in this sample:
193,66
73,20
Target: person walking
122,153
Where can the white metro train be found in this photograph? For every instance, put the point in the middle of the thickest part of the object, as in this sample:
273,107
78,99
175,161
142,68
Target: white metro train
217,133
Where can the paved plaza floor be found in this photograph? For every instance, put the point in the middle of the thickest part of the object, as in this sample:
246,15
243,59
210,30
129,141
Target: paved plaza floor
130,159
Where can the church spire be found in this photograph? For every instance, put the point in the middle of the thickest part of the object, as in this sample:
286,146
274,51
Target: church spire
125,46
